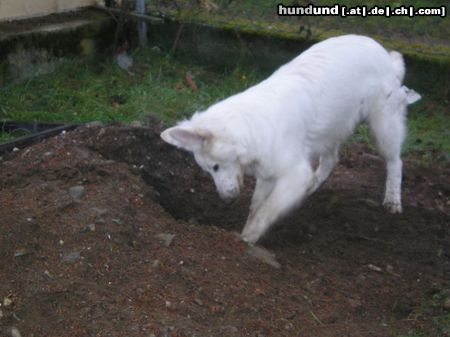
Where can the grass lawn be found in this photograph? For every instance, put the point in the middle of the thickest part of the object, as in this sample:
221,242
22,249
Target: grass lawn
79,92
429,29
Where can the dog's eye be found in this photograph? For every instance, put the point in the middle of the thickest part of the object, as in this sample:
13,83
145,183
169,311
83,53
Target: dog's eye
216,168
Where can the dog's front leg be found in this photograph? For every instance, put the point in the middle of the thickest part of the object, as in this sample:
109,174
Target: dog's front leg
262,190
287,192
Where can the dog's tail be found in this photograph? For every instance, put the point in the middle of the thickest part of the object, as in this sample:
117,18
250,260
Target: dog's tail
408,95
411,96
399,64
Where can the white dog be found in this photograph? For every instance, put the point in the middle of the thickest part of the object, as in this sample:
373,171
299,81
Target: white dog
304,111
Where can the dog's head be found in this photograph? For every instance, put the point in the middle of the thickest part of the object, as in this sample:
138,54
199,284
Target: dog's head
213,154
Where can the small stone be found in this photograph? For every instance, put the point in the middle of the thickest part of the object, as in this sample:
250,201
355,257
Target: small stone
94,124
155,263
101,132
71,257
354,303
165,238
91,227
136,124
14,332
21,252
371,203
1,314
230,330
77,192
263,255
289,326
7,302
117,221
374,268
198,301
447,304
16,149
100,212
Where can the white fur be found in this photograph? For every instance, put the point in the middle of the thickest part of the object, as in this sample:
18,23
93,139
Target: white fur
304,111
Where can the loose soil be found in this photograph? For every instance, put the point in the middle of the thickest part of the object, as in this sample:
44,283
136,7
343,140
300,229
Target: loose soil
149,249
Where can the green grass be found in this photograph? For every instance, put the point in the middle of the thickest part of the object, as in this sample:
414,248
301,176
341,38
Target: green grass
431,310
79,92
428,136
415,334
424,28
6,137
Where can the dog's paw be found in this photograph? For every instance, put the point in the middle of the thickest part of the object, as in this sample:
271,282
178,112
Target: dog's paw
250,235
248,238
314,185
393,207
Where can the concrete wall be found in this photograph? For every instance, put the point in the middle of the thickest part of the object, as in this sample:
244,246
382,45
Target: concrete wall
19,9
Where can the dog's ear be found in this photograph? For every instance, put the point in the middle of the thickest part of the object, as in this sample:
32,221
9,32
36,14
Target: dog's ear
190,140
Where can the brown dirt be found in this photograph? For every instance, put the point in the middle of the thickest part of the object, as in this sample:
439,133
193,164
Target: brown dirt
94,266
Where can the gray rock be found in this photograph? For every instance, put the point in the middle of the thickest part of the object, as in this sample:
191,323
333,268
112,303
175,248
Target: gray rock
374,268
371,203
136,124
230,330
94,124
263,255
100,212
447,304
14,332
117,221
71,257
165,238
77,192
91,227
198,301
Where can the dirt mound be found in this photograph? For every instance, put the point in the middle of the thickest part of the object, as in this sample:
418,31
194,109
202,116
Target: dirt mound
107,231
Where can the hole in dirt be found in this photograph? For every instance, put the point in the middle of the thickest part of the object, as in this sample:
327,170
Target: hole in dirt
181,187
340,219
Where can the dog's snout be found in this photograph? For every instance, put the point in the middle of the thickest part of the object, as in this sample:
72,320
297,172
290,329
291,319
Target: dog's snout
229,196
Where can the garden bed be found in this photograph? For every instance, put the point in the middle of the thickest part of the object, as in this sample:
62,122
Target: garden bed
108,231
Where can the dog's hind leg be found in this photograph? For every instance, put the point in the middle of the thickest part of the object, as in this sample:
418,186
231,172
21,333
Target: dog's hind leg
288,191
388,127
327,162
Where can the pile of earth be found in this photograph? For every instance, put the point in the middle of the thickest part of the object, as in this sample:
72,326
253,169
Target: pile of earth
107,231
